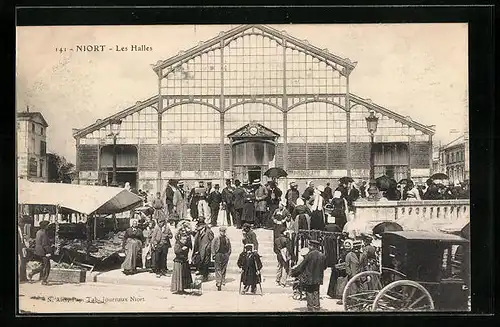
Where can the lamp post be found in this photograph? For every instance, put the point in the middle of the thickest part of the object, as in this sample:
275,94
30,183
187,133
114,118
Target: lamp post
371,124
115,126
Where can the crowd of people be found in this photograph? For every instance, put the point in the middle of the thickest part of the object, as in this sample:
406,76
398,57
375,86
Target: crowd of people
250,206
154,237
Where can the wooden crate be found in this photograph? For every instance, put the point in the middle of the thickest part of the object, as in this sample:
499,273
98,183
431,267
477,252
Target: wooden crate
67,275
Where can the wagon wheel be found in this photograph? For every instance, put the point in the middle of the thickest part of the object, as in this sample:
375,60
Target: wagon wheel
390,275
361,290
403,295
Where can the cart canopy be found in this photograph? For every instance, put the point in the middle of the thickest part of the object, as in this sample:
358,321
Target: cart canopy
85,199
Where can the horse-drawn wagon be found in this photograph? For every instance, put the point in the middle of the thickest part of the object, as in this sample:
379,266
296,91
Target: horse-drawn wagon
419,271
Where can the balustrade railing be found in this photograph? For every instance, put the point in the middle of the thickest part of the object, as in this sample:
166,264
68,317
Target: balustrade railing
426,215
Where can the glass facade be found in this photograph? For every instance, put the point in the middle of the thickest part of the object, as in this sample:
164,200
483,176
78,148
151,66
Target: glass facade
317,122
259,75
190,124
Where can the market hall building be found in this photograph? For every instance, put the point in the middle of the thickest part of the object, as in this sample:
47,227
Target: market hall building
249,99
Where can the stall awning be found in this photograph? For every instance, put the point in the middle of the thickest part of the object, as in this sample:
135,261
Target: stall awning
85,199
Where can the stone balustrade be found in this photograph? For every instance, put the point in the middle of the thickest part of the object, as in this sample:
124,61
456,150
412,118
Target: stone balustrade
426,215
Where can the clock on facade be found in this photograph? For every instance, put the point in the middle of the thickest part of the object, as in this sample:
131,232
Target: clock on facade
253,130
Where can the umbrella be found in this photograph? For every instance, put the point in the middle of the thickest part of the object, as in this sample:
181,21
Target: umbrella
386,226
439,176
385,182
275,172
346,180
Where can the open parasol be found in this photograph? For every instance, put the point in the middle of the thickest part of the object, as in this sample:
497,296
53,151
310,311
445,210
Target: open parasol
439,176
346,180
275,172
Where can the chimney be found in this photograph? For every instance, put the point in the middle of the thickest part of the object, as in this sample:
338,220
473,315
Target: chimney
27,108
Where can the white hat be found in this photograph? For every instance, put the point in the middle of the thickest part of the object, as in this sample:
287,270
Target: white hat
300,202
337,194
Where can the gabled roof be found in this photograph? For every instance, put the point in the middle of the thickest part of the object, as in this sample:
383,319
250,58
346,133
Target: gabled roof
260,131
344,62
32,115
120,115
391,114
459,140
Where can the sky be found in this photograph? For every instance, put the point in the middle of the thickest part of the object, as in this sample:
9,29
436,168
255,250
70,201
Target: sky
417,70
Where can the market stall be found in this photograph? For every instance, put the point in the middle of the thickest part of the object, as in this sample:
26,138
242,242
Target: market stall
74,212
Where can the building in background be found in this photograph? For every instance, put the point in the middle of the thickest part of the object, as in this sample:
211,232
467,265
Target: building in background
453,160
32,146
249,99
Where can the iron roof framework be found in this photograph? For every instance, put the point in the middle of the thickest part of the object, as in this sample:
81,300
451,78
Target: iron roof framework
255,64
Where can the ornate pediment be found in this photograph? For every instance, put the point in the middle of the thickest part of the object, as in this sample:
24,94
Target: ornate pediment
254,130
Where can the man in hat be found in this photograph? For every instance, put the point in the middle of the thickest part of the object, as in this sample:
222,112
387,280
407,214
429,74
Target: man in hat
160,243
43,253
432,192
202,247
249,237
352,264
311,271
239,195
344,186
309,191
250,264
281,248
291,196
203,208
228,203
181,203
169,196
261,193
221,250
157,205
214,201
368,258
328,193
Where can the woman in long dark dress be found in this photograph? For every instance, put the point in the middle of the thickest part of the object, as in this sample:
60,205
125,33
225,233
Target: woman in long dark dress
317,210
132,244
339,209
273,202
181,276
248,215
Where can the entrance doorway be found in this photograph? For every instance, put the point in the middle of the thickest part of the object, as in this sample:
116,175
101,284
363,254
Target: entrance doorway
254,172
126,165
123,177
